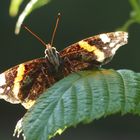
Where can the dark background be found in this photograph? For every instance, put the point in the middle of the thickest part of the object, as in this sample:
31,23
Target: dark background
80,19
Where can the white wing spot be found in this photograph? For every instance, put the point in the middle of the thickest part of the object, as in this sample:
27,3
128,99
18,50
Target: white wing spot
115,49
104,38
105,48
118,33
112,44
2,79
1,90
8,88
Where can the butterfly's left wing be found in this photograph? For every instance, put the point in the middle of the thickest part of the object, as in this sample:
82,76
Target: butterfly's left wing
96,50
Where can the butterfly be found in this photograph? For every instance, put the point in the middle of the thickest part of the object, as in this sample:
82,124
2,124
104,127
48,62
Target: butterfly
25,82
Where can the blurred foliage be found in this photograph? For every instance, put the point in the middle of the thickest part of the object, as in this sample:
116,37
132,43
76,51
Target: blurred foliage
134,15
31,5
34,4
14,7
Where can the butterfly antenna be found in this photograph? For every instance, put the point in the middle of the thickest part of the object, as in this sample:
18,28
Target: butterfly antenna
36,36
56,25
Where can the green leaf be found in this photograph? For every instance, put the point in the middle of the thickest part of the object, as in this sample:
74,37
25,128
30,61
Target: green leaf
31,5
134,15
82,97
135,4
14,7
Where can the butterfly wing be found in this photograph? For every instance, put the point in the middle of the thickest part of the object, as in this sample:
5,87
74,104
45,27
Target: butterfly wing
98,49
25,82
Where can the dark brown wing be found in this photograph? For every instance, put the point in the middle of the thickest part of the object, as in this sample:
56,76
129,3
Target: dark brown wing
18,82
25,82
96,49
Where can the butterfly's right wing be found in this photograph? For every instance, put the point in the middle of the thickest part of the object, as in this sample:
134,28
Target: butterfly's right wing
25,82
